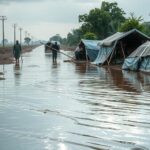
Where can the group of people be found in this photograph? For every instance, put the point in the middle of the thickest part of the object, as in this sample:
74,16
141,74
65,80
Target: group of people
17,50
54,47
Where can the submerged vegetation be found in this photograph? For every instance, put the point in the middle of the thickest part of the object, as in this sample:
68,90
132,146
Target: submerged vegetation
102,22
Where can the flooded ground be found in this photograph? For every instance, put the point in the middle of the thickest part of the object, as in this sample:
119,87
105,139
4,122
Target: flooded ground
67,106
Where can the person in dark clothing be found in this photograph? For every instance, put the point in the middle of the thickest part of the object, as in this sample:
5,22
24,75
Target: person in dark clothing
55,49
17,51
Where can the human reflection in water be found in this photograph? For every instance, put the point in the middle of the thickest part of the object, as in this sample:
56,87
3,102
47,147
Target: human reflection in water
55,64
17,74
17,69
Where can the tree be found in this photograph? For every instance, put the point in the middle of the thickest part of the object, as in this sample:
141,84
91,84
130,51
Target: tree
27,40
89,36
74,37
146,28
56,37
5,41
64,41
116,13
103,21
132,23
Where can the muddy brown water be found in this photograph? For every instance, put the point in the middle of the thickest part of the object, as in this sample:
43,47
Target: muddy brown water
68,106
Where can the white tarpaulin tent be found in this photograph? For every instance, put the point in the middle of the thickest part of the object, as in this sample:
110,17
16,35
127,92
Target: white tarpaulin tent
91,48
139,59
119,46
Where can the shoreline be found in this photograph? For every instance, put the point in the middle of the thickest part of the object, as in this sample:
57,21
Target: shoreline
6,55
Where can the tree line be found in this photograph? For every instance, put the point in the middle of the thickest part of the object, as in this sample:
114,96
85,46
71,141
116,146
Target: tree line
102,22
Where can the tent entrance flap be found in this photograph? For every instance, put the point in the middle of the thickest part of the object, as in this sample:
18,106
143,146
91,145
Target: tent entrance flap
92,53
103,55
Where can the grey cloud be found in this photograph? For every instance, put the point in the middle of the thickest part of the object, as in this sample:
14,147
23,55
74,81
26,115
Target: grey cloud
19,1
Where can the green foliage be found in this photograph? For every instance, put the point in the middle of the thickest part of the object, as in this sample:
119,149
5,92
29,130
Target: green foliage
132,23
113,9
64,41
89,36
56,37
146,28
74,37
102,21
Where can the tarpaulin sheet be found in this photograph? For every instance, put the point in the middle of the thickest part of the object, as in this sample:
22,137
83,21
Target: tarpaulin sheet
103,55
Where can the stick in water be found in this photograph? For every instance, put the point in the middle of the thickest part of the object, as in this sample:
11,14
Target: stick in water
60,52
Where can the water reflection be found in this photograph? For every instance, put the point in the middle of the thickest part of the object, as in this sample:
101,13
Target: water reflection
81,67
55,64
69,106
126,80
123,80
17,74
2,72
140,81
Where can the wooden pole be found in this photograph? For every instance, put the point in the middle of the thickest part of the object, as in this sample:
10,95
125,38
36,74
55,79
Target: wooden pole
122,50
112,52
60,52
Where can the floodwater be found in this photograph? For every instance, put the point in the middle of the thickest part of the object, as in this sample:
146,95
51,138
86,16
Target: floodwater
68,106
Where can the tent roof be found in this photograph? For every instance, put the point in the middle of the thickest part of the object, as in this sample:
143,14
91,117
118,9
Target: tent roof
142,51
120,35
91,44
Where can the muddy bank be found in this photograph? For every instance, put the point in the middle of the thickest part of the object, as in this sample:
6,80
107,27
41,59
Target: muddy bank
6,55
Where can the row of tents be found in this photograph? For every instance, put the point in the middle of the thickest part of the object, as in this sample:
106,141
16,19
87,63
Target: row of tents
130,49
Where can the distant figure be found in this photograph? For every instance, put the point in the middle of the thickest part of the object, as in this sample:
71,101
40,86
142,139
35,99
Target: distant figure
48,47
55,49
17,52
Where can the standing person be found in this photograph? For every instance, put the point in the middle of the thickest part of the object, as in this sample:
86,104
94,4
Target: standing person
55,49
17,52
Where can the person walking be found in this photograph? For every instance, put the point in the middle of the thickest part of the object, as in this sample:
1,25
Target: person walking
17,52
55,49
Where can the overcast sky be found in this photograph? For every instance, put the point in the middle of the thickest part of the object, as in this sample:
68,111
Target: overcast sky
45,18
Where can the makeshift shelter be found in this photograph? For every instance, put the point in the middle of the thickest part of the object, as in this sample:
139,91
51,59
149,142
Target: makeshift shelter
114,49
87,50
139,59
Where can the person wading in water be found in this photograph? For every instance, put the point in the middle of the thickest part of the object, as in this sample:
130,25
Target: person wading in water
55,49
17,52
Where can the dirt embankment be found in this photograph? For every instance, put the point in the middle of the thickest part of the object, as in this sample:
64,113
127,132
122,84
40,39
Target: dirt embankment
6,54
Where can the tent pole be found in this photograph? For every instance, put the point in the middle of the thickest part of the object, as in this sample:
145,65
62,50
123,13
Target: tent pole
86,56
112,52
122,50
111,57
